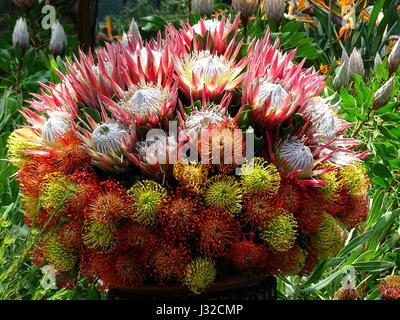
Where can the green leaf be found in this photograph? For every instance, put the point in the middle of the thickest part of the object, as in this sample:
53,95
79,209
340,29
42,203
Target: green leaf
374,15
381,170
373,266
323,283
355,243
95,114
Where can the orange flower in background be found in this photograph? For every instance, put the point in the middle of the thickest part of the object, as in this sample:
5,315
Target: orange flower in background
324,68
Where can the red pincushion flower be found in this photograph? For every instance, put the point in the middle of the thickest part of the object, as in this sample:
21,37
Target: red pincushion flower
355,211
218,231
309,217
70,234
248,256
169,262
178,217
259,206
311,260
390,288
290,194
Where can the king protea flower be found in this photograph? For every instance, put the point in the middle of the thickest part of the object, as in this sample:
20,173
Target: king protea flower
107,142
356,65
274,86
382,95
217,32
20,34
208,71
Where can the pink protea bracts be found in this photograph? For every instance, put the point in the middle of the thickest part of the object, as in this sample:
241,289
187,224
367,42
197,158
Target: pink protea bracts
274,86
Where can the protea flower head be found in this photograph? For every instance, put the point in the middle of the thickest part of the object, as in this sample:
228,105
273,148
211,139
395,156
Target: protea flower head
274,9
20,34
202,7
275,87
383,94
105,143
324,120
55,127
217,31
209,71
245,7
58,41
155,155
394,57
356,65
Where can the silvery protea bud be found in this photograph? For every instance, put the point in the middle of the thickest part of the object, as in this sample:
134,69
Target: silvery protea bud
394,57
26,4
58,40
54,128
293,155
245,7
20,34
377,62
356,65
274,9
345,56
383,95
202,7
134,29
342,76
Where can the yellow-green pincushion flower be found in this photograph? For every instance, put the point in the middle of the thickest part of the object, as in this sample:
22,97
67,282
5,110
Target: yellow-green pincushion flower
100,236
58,255
200,274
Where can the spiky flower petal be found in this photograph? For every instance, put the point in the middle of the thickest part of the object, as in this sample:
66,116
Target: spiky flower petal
328,240
57,254
100,236
259,175
191,176
224,192
147,197
200,274
280,233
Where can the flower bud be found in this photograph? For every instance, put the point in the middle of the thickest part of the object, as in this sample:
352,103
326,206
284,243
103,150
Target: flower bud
274,9
202,7
383,95
394,57
342,76
245,7
377,62
20,34
26,4
134,29
356,65
58,40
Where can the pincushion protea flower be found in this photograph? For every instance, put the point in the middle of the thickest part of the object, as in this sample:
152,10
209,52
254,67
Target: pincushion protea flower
200,273
275,87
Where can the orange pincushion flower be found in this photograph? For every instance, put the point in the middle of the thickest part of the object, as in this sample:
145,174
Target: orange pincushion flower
169,262
70,156
136,237
70,234
218,231
108,208
247,256
309,217
259,206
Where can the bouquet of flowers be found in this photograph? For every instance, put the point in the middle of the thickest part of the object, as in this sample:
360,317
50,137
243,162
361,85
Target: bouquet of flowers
185,159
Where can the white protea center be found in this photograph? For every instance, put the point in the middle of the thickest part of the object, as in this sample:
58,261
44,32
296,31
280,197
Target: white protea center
158,149
207,67
145,101
107,138
202,119
277,92
323,118
53,128
211,26
294,155
144,57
